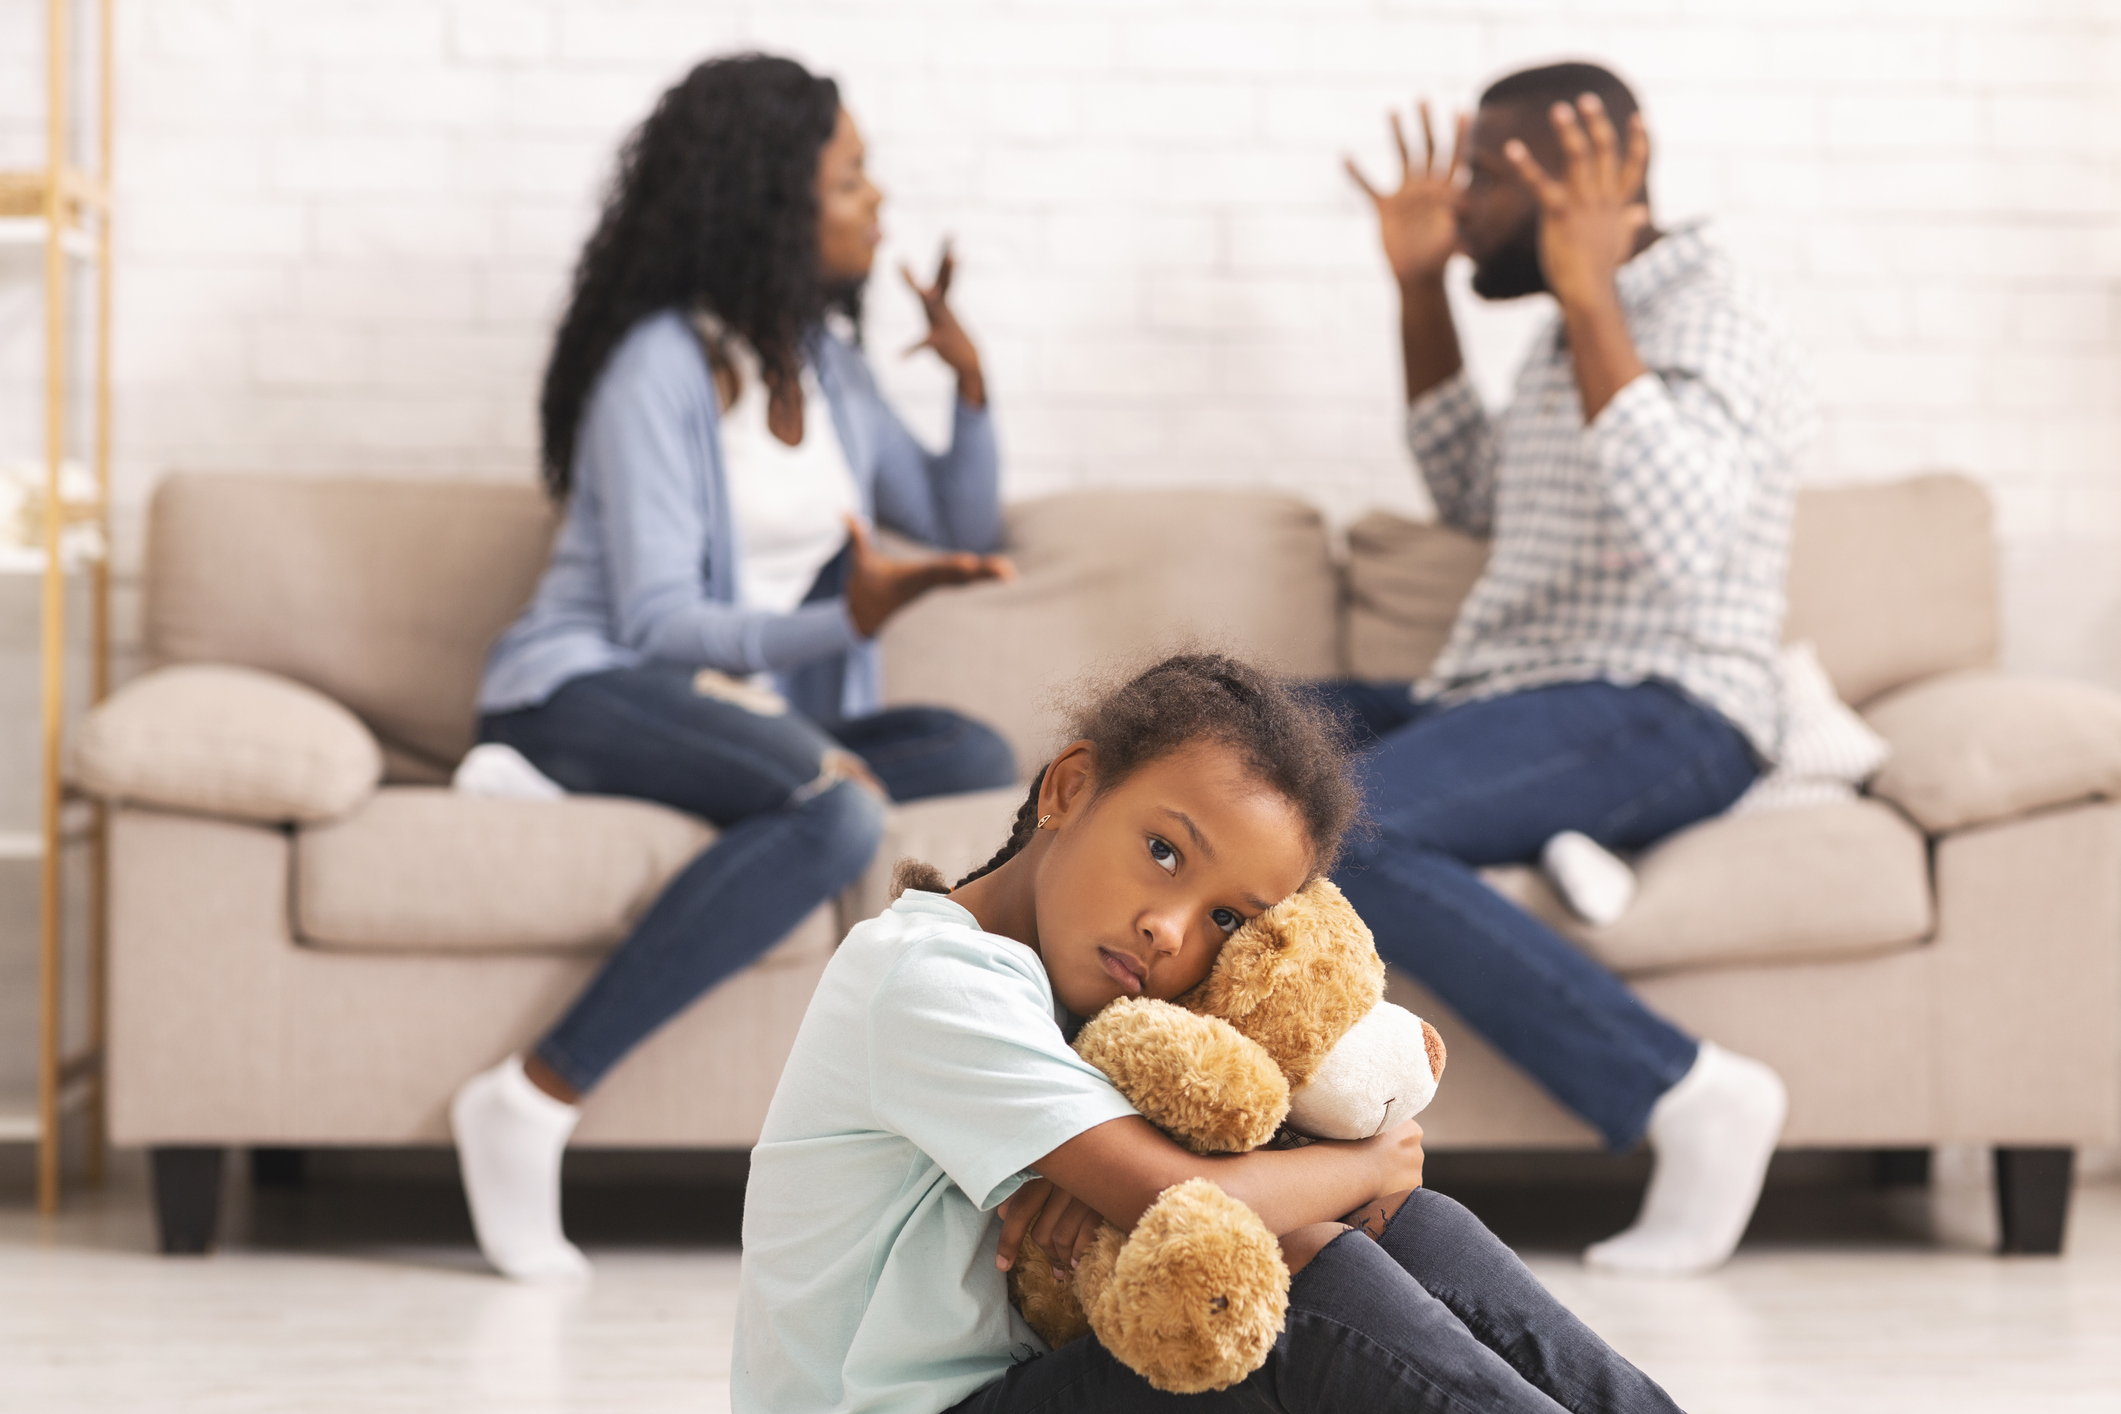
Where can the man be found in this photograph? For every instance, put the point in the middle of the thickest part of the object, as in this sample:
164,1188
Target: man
1613,671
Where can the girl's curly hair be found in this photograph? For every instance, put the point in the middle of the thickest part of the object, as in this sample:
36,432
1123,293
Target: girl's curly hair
1290,742
714,205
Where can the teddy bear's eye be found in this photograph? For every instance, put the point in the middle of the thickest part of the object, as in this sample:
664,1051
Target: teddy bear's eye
1166,857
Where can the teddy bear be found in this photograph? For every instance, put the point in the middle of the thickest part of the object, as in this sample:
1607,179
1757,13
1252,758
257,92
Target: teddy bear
1288,1034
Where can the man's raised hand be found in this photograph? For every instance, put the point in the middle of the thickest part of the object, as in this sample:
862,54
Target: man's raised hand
1592,215
1416,223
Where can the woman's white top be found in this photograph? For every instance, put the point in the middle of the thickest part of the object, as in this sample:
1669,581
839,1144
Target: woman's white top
791,503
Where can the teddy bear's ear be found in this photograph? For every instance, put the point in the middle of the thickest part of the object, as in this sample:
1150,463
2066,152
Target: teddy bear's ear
1296,978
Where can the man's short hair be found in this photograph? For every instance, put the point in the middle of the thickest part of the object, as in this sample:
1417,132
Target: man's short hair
1540,89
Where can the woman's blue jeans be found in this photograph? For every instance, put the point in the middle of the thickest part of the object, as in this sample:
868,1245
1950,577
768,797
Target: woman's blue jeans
1438,1316
782,850
1453,790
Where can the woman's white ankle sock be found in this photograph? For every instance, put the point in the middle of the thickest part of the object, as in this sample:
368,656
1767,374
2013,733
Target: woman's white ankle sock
1713,1134
510,1135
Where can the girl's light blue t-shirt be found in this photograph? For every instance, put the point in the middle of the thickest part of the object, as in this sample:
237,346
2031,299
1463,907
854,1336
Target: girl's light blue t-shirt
929,1072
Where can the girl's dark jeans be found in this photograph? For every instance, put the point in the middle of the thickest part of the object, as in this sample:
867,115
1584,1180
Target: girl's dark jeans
783,849
1438,1316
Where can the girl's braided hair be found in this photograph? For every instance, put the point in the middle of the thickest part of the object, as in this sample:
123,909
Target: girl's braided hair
1289,741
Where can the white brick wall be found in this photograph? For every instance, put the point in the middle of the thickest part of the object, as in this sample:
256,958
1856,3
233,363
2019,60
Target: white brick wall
347,227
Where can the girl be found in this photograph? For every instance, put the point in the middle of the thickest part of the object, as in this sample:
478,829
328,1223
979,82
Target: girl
705,633
932,1112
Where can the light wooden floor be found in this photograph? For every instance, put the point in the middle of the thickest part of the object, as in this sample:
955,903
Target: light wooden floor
368,1299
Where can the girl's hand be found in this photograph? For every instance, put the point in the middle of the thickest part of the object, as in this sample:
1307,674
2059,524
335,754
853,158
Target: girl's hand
1061,1222
878,586
1398,1155
945,335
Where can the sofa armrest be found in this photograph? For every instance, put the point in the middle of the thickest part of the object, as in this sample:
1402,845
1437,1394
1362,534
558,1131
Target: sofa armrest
213,739
1977,746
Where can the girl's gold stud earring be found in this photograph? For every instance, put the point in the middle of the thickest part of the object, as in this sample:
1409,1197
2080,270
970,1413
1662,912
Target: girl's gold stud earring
1042,822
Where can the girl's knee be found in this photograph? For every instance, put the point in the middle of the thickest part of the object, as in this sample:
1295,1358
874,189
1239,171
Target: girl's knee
1300,1246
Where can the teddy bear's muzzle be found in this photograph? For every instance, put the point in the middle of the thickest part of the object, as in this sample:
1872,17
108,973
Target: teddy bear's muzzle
1383,1072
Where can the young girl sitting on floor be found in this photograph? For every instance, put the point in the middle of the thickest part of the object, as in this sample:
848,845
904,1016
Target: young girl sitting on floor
932,1112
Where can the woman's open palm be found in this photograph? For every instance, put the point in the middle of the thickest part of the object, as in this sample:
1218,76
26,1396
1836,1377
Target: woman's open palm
1416,223
878,586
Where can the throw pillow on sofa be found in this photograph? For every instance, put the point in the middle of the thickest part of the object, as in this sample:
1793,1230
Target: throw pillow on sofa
216,739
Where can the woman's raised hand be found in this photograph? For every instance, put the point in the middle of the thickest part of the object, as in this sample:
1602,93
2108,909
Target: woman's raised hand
879,586
945,335
1416,223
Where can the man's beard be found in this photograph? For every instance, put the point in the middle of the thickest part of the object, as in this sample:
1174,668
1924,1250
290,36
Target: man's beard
1512,270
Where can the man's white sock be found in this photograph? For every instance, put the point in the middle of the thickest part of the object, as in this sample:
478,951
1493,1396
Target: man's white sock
1594,882
1713,1134
510,1135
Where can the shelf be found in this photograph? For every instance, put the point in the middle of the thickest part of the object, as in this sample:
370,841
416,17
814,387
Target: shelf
29,844
17,561
29,231
19,1122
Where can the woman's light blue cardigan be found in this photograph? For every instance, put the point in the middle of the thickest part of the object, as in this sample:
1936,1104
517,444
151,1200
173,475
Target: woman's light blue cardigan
644,567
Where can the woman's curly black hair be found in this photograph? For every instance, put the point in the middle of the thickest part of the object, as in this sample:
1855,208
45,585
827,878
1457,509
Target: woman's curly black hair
714,205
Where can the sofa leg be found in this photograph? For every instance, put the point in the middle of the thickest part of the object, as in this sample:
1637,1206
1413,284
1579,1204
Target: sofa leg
278,1168
2032,1198
187,1198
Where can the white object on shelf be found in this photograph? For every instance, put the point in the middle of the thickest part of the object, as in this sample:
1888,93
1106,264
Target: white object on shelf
21,844
29,231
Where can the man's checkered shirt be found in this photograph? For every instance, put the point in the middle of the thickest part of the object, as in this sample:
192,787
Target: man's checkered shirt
1651,543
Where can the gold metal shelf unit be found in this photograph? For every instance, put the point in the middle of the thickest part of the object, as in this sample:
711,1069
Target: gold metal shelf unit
67,210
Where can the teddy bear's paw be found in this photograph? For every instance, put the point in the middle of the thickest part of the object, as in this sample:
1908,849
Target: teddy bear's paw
1382,1073
1198,1293
1047,1303
1194,1077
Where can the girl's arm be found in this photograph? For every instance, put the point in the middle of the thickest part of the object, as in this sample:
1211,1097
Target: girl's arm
1118,1168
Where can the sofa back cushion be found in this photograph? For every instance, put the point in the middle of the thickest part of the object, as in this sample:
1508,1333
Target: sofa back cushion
1895,583
1108,580
383,595
1892,583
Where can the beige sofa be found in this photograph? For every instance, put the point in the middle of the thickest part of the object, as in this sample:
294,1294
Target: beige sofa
303,957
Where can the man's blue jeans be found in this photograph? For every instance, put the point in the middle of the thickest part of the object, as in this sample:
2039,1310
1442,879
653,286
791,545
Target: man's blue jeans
782,851
1452,790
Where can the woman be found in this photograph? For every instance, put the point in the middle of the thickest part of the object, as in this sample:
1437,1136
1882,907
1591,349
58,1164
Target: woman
705,633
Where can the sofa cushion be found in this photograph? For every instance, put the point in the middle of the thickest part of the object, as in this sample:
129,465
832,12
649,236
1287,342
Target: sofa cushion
1978,746
426,869
1894,583
1406,579
383,595
1775,886
1110,579
213,739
